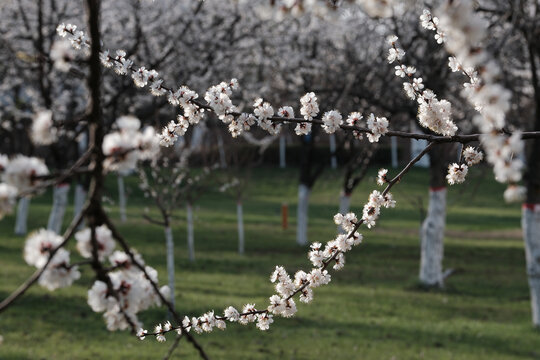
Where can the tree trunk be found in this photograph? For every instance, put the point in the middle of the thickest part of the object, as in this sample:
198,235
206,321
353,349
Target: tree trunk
190,237
302,214
282,148
530,223
240,217
333,157
60,200
530,220
432,230
122,198
394,147
344,207
80,197
197,137
222,157
170,259
432,237
22,216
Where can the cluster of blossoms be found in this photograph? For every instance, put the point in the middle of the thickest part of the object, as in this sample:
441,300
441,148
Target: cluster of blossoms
458,172
378,127
263,111
218,98
331,121
104,239
309,109
59,273
372,209
433,114
43,130
77,38
464,31
382,177
22,173
430,22
128,292
282,303
125,147
354,119
243,123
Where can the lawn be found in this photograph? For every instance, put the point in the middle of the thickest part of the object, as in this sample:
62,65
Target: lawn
372,309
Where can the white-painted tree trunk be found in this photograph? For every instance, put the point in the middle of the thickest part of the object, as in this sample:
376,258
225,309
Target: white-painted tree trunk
530,223
80,197
302,214
222,157
197,137
122,198
333,157
282,149
190,236
344,206
432,237
170,259
393,142
22,216
60,200
240,218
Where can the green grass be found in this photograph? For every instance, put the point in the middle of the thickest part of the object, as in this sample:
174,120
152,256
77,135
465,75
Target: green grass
373,308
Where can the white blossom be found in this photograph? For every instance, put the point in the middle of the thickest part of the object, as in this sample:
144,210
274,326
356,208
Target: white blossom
310,106
61,54
231,314
395,53
286,112
141,333
104,241
378,127
472,156
264,321
456,173
43,130
318,277
332,120
21,172
514,193
436,115
382,177
59,273
302,128
38,246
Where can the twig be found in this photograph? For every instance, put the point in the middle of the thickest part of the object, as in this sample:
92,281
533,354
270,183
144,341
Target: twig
141,267
173,347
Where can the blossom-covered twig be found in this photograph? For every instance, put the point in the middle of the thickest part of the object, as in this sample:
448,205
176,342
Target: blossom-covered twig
283,304
194,109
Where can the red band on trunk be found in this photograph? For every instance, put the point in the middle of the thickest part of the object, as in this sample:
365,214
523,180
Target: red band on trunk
438,188
533,207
